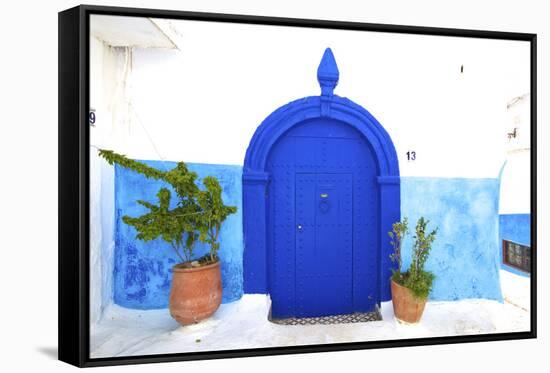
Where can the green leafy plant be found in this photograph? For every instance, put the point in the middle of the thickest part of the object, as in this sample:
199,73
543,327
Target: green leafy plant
416,278
197,216
214,214
397,235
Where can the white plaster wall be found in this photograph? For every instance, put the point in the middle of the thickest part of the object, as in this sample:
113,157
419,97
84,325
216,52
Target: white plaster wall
96,80
515,183
102,70
202,103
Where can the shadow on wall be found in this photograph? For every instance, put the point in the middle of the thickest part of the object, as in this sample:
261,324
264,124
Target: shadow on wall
142,270
465,254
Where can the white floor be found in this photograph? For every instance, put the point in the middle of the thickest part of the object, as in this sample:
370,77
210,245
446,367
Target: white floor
516,289
244,324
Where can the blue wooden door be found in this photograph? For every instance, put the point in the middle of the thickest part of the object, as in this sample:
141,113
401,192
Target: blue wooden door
324,243
322,178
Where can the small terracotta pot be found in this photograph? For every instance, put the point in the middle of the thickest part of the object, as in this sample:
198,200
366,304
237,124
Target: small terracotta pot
406,307
196,293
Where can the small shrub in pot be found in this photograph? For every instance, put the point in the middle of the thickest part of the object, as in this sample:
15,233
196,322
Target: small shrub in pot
411,288
198,215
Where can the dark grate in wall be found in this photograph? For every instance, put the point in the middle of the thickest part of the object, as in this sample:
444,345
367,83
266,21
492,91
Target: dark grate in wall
516,255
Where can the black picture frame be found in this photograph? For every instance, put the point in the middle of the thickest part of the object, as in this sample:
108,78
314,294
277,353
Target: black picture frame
74,189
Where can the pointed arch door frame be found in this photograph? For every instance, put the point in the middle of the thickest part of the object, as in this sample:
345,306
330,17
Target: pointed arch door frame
256,178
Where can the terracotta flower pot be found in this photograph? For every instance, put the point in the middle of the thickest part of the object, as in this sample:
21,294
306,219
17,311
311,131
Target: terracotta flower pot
196,293
406,307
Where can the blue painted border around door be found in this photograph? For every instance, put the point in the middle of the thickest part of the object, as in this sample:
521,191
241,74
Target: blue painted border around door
319,135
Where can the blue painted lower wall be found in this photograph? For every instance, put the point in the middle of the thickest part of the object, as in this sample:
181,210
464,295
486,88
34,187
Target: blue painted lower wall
142,270
465,254
516,228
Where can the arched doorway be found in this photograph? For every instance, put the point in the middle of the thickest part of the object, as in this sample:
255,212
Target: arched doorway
320,192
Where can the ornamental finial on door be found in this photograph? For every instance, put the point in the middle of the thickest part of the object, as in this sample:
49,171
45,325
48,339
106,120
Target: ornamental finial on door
327,73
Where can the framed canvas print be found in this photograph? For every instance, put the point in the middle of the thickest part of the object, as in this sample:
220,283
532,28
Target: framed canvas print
233,186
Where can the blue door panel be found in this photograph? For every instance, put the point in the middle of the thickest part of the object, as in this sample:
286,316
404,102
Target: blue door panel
323,244
281,245
366,255
312,129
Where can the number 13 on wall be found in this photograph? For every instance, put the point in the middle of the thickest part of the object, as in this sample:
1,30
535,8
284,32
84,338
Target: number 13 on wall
411,155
